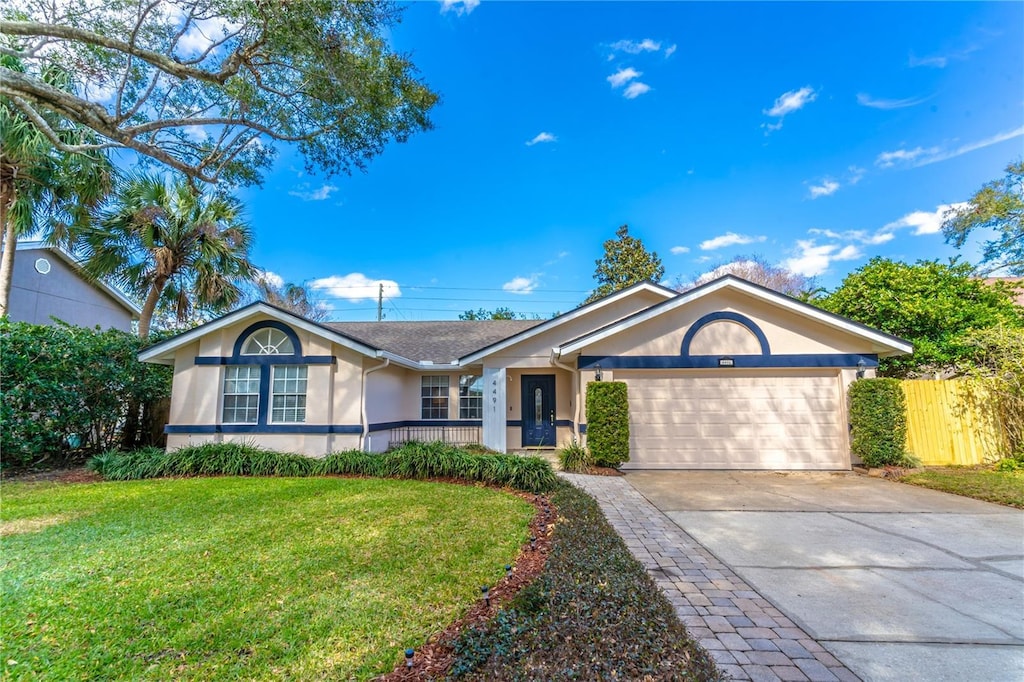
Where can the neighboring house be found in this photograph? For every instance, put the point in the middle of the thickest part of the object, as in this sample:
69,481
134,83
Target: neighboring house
47,282
727,375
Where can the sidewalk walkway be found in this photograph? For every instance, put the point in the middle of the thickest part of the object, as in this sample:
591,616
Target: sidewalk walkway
748,637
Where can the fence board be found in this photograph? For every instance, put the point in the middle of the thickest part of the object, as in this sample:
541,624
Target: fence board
948,423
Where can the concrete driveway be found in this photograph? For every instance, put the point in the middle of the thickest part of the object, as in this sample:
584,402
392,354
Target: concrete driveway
898,582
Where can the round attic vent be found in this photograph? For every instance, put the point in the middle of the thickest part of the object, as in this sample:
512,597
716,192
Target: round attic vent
42,266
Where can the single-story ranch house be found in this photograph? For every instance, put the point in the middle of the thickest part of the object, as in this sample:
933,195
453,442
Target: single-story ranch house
729,375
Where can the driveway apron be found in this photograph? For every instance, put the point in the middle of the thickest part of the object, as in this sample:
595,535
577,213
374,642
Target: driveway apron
893,582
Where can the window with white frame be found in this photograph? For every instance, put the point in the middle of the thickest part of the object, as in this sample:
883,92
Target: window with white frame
241,394
288,394
268,341
434,397
471,396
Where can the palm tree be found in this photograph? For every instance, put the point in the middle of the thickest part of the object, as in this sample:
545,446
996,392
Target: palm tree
41,187
174,247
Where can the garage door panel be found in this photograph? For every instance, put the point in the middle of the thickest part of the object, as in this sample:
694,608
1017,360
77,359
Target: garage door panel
736,421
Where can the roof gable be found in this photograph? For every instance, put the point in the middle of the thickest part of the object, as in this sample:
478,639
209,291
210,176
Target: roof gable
163,352
894,345
119,297
575,314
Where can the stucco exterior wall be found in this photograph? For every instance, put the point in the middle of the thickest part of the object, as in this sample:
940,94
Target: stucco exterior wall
61,293
311,445
787,332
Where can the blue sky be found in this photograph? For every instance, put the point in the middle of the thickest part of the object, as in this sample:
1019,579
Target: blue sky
814,135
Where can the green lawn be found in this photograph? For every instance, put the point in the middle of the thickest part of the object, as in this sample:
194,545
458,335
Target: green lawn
1001,487
247,578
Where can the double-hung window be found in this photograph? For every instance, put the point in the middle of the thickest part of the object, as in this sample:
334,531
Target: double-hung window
471,396
288,397
434,397
282,386
241,394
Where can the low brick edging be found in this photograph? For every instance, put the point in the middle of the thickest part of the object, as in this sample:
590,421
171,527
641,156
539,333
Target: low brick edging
744,633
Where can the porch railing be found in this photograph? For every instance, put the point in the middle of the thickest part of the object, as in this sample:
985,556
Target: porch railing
453,435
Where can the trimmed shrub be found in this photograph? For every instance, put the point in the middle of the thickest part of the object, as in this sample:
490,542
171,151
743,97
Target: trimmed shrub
574,457
67,389
878,422
593,614
412,460
608,423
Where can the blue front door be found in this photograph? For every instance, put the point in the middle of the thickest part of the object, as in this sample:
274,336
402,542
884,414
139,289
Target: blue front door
539,410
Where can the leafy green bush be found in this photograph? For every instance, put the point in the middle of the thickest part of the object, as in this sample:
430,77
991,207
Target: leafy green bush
574,457
608,423
412,460
67,389
593,613
878,422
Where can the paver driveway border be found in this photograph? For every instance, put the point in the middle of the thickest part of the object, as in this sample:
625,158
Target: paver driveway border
747,636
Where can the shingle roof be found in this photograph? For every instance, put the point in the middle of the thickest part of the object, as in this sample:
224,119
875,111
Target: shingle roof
439,342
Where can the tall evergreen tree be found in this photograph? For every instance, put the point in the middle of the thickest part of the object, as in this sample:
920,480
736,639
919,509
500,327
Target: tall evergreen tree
626,261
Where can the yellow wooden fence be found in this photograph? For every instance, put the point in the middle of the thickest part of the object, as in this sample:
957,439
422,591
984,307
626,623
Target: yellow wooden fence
948,423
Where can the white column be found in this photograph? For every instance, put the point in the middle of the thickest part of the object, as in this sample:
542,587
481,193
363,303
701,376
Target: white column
495,407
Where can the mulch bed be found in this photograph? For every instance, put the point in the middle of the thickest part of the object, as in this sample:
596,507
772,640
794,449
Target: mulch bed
75,475
433,659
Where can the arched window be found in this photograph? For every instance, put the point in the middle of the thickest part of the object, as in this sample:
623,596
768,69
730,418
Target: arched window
268,341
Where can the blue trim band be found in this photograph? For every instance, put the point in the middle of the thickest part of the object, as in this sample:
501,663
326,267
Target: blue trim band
743,320
264,428
843,360
274,324
564,422
384,426
583,428
517,423
266,360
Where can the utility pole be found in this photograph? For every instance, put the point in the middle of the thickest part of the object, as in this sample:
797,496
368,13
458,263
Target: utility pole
380,301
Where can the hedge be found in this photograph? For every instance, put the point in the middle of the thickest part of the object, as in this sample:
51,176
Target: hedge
608,423
67,389
878,422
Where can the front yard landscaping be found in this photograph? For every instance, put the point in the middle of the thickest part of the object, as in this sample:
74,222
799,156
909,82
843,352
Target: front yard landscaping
1001,487
241,578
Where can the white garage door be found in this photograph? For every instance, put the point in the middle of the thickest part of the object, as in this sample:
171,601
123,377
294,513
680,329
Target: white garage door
735,420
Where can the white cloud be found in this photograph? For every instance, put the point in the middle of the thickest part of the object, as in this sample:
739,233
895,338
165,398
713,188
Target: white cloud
919,156
735,267
924,222
541,137
306,193
623,76
635,90
202,34
460,7
826,188
880,237
856,173
729,239
791,101
936,62
631,47
521,285
867,100
679,250
812,260
356,287
670,50
890,159
271,278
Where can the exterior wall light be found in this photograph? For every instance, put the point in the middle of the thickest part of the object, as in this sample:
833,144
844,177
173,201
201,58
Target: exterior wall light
860,368
597,372
726,361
